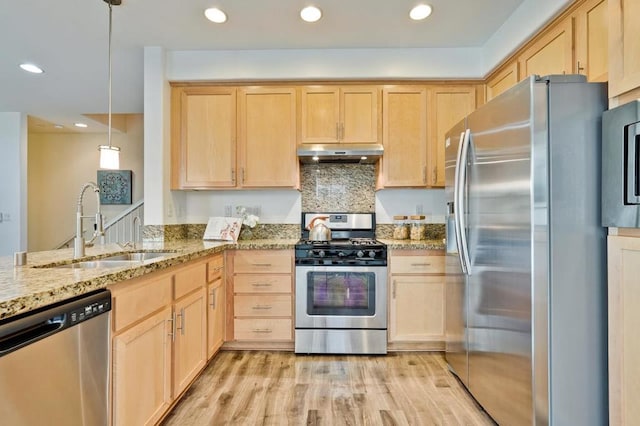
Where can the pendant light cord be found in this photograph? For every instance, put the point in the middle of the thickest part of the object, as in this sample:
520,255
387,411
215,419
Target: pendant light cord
109,129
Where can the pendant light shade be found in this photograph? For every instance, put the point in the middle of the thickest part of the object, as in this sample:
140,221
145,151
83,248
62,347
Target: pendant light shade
110,155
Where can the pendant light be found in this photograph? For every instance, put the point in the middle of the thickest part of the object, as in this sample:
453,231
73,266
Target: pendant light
109,154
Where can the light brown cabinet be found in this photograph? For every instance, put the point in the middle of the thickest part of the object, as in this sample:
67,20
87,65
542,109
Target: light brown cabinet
624,46
159,341
215,304
416,302
592,40
262,297
231,138
447,106
203,137
267,138
624,322
404,124
552,53
503,80
340,114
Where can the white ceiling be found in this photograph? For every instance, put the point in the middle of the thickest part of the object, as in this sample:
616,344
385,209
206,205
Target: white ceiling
69,40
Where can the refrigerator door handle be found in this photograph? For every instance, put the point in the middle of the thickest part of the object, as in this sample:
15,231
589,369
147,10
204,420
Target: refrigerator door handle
463,249
457,207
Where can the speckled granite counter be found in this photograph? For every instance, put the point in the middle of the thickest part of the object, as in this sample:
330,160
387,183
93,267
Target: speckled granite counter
413,245
24,288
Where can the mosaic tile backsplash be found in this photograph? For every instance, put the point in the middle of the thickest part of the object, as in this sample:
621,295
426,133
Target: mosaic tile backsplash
338,187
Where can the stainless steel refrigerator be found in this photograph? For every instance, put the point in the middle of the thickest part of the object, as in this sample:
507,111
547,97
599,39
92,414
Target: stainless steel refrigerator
526,254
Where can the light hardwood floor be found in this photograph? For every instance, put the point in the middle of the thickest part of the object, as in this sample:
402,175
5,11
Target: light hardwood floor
280,388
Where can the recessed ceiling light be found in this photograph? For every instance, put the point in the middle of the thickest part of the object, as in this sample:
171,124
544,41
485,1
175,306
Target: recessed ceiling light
81,125
31,68
311,14
215,15
420,12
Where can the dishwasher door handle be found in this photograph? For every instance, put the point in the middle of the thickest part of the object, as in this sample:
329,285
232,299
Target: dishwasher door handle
31,334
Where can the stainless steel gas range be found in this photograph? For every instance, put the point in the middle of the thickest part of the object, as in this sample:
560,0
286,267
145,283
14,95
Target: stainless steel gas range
341,288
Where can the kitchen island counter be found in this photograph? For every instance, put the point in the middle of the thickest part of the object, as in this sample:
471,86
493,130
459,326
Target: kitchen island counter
34,285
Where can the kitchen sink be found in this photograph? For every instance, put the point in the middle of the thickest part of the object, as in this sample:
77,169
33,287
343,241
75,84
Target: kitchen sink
131,258
138,256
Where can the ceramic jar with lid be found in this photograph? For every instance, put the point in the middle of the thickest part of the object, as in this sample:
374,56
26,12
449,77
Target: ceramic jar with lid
418,227
400,228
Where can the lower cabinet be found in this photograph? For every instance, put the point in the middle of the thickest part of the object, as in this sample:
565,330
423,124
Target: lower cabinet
624,321
142,371
261,298
159,341
416,300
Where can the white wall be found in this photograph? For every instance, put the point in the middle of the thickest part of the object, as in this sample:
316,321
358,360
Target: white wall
13,182
392,202
59,164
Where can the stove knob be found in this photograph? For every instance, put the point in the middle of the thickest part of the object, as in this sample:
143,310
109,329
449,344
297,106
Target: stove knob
372,254
360,253
321,253
310,253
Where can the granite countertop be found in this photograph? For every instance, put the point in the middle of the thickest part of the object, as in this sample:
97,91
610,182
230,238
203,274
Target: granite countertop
413,244
28,287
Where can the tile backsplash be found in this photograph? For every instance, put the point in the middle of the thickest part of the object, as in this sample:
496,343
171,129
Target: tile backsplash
338,187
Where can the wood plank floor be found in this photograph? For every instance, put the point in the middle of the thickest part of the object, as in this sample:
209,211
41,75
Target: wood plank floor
280,388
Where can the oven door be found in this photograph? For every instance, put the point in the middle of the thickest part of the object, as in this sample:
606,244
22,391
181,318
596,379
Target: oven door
341,297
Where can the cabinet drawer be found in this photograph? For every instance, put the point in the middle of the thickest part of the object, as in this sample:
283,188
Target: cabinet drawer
417,265
262,329
146,298
189,279
214,268
262,283
269,261
262,305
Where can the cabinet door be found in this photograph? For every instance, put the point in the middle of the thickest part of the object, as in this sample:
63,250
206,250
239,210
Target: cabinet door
624,46
417,308
592,40
551,54
215,316
505,79
190,346
203,137
404,121
267,130
447,106
319,114
142,371
624,322
359,114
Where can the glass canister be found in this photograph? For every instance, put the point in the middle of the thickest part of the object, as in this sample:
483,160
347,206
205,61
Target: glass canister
418,227
400,228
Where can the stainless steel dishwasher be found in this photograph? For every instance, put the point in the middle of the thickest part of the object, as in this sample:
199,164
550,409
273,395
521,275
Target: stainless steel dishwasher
54,364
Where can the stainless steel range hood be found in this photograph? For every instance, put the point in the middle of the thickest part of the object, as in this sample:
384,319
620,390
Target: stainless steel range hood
340,153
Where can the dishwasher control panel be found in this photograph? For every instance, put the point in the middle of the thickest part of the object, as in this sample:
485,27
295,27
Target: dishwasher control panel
87,311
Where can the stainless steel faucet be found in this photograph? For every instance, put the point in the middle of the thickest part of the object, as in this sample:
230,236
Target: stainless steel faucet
78,242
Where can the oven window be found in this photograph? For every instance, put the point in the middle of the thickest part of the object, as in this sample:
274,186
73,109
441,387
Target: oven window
341,293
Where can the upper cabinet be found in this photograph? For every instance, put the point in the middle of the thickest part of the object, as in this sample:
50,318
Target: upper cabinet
404,124
340,114
447,106
550,54
267,138
231,138
624,46
501,81
591,40
203,137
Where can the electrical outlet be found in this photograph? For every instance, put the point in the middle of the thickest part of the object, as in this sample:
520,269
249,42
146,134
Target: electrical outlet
227,211
257,210
6,217
419,209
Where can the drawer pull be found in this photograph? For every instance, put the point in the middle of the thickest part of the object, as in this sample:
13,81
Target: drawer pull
262,284
261,307
420,264
263,265
217,269
262,330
